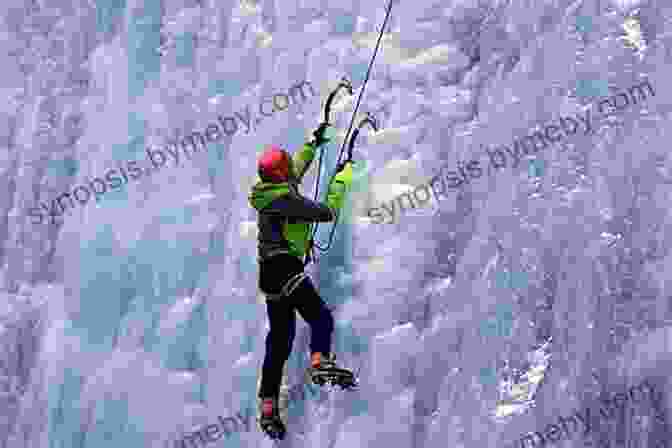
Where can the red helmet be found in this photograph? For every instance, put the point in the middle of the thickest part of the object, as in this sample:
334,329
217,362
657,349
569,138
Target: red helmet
275,165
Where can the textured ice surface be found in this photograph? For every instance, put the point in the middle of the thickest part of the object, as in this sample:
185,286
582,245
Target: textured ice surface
584,23
474,320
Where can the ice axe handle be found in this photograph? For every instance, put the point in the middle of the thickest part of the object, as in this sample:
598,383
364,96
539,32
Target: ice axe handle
351,144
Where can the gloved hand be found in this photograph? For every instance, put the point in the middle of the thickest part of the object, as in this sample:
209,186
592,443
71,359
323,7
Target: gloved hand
318,133
345,174
339,186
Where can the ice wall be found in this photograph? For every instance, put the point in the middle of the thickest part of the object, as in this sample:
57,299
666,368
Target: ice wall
475,319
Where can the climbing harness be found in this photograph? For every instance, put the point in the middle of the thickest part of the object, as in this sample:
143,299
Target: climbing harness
289,286
310,256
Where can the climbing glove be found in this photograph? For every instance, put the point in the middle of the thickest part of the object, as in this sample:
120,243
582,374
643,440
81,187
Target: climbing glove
339,186
345,174
319,135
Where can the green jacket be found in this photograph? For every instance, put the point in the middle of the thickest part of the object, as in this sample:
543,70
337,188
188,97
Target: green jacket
285,216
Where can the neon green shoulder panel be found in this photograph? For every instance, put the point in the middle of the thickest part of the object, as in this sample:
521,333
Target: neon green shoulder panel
263,194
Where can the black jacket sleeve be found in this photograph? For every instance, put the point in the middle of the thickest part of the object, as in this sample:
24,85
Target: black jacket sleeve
298,208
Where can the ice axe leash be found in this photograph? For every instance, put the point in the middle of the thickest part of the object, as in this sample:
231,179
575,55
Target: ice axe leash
346,84
311,243
373,123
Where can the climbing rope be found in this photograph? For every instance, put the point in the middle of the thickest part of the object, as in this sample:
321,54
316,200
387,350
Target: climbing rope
310,255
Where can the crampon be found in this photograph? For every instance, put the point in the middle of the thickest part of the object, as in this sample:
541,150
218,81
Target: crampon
334,376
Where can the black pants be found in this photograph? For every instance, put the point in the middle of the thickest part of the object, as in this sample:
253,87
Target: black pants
273,274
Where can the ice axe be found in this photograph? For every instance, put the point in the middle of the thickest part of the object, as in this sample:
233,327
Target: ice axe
343,84
371,121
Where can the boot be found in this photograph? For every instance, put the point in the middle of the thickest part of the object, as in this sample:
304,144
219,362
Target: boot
269,418
324,369
316,360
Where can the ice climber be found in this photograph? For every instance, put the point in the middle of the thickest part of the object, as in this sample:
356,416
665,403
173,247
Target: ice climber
284,218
